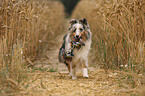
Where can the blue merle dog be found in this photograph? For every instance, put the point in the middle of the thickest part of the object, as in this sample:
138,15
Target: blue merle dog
75,48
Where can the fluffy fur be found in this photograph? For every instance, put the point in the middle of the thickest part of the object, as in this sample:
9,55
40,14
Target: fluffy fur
80,30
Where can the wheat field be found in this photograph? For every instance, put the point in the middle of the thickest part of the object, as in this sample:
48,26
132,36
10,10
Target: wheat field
118,29
30,29
26,27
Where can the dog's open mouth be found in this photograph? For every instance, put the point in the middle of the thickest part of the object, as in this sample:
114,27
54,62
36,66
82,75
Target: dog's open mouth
76,39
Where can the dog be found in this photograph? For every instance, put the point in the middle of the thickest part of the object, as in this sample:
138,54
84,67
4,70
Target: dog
75,47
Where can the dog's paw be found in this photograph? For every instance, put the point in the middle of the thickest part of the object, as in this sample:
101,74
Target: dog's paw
74,78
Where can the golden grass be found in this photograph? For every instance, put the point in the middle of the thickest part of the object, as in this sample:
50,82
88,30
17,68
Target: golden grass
26,28
118,30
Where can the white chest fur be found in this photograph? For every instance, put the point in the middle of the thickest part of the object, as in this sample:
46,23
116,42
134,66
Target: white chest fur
82,54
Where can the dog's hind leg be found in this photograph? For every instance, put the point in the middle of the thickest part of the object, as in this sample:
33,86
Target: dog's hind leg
70,68
74,72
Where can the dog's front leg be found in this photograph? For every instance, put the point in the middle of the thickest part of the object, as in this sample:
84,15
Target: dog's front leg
85,70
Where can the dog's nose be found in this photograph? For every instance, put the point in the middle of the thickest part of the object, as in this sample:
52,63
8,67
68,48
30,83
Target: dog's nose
77,36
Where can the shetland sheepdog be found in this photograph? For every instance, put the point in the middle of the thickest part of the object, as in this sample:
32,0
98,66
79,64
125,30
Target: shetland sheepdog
75,47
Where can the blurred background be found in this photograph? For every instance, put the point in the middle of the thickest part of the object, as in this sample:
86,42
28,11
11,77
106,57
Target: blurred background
69,6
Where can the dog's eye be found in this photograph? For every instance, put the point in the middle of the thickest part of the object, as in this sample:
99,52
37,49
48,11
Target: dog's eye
74,30
81,29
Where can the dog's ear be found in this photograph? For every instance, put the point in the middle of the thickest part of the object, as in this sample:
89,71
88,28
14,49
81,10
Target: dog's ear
83,21
73,21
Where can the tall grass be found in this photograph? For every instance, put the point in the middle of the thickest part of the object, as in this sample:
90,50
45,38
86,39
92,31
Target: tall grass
118,31
25,29
118,28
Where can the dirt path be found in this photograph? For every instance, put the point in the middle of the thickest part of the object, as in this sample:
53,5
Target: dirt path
50,78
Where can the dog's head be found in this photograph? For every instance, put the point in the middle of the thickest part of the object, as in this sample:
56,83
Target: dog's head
78,29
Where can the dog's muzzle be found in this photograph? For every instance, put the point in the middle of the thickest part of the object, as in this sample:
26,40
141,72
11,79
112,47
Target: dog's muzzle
76,38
